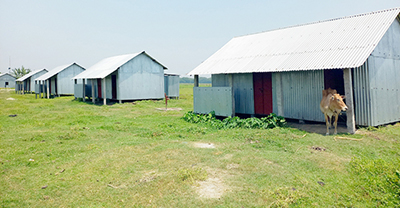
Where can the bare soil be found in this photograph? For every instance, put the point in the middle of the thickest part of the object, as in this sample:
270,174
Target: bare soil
318,128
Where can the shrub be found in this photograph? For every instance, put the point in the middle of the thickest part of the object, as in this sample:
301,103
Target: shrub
271,121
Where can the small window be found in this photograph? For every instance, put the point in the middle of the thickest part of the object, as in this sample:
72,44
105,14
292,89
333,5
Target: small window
6,83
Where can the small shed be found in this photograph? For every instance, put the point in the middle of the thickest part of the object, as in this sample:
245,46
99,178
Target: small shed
7,80
171,85
284,71
26,83
58,81
120,78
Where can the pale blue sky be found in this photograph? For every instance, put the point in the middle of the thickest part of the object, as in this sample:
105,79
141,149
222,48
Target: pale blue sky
180,34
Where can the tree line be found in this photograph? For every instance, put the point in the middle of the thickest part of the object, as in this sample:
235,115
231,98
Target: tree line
19,72
191,80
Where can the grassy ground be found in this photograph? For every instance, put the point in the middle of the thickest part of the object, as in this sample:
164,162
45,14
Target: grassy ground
65,153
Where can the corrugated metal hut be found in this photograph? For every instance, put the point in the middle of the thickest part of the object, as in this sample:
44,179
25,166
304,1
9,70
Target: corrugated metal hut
58,81
26,83
7,80
126,77
284,71
171,85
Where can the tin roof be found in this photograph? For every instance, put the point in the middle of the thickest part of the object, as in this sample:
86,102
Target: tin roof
53,72
333,44
26,76
6,74
108,65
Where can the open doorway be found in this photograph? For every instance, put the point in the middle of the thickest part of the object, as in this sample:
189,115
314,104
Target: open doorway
333,79
114,86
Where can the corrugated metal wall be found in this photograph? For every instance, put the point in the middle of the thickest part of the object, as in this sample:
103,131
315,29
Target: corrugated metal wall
298,94
31,80
65,84
171,85
380,101
217,99
7,78
362,96
78,90
139,78
243,90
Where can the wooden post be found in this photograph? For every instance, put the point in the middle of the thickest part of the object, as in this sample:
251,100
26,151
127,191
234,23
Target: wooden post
348,88
48,88
93,100
84,90
104,92
279,94
196,80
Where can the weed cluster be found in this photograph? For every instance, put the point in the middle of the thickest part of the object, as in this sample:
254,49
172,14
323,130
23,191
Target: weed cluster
269,122
192,174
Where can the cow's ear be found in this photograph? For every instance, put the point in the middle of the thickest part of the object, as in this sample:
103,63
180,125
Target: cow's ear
343,97
332,98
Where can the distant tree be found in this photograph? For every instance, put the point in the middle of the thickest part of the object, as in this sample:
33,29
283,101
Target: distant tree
20,72
191,80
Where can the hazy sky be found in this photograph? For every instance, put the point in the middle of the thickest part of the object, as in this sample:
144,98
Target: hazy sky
180,34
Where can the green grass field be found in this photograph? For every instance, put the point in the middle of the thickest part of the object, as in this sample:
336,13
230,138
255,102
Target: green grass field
66,153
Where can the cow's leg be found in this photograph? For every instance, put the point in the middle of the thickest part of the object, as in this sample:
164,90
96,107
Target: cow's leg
335,123
328,123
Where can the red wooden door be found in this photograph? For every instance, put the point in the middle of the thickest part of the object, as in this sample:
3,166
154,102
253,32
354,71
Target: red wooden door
99,88
262,83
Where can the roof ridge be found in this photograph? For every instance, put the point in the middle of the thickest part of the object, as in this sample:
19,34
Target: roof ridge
322,21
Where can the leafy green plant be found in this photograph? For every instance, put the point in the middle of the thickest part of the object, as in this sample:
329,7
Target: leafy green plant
271,121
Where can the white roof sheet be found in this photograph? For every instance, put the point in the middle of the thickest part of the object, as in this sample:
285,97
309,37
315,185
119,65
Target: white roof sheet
26,76
333,44
107,66
53,72
6,74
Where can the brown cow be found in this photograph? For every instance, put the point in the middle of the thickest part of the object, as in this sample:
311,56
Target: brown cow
331,105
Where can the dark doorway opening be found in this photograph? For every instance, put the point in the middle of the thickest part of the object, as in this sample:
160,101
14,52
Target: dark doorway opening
99,88
262,83
114,86
333,79
49,81
55,86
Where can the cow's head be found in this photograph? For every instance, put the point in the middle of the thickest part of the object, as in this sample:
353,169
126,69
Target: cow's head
337,103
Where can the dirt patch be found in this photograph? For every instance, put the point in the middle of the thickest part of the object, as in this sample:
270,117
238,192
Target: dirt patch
214,187
204,145
169,109
228,157
232,166
318,128
10,99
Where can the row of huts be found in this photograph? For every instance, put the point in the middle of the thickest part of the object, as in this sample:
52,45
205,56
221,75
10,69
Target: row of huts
284,71
120,78
281,71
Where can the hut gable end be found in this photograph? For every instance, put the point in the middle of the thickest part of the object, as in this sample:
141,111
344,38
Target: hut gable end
141,77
